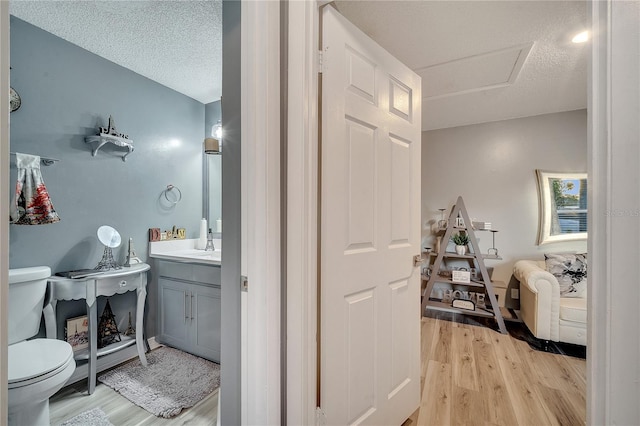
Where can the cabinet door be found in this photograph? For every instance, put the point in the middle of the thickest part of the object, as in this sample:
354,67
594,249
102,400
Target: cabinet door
206,322
174,313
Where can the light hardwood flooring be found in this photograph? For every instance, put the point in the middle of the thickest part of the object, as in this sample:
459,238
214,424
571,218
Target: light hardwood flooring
473,375
73,400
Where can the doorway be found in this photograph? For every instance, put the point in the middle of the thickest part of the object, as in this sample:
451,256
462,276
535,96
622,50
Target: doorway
307,90
125,170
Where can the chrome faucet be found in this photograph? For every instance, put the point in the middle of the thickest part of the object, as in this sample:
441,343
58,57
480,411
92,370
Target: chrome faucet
209,246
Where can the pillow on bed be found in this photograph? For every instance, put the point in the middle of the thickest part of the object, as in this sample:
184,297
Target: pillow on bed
570,269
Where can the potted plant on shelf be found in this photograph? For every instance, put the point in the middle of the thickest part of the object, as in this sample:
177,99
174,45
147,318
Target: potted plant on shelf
460,240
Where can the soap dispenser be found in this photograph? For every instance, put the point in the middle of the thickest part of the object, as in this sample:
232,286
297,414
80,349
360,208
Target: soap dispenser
202,239
210,246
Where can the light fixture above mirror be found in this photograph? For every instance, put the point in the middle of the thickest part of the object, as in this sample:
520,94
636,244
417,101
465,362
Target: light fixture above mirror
212,145
216,130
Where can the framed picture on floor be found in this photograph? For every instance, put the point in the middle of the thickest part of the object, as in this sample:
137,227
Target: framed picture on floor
77,332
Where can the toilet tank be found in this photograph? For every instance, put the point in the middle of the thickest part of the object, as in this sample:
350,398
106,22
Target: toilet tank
27,288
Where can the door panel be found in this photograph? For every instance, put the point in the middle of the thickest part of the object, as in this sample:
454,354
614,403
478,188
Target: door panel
362,81
401,219
399,340
360,150
400,99
361,351
370,230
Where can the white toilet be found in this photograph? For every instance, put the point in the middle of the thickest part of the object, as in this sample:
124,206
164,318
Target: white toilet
38,368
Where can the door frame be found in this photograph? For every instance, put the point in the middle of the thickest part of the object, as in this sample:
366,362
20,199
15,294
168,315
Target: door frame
613,343
260,213
259,375
4,214
599,187
302,213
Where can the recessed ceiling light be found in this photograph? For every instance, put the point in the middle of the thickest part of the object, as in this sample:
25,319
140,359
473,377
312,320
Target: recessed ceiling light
581,37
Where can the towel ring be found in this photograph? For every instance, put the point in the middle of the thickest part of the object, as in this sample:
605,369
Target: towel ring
171,188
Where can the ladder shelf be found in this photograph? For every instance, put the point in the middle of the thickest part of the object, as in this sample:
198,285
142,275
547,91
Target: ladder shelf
475,257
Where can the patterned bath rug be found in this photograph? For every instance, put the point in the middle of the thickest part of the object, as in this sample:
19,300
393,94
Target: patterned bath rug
95,417
172,381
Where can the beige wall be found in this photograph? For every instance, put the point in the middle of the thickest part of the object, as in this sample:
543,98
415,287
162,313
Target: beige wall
492,166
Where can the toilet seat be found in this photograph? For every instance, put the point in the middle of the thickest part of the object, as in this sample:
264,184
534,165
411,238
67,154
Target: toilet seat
32,361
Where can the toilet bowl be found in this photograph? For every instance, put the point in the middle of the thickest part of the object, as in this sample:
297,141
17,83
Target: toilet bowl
38,368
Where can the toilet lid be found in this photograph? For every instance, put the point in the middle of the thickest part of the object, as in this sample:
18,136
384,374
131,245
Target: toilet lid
37,357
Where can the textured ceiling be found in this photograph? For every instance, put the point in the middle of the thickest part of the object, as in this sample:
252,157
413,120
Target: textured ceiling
176,43
423,34
179,44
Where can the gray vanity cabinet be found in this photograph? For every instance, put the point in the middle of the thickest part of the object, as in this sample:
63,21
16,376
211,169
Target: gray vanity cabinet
189,308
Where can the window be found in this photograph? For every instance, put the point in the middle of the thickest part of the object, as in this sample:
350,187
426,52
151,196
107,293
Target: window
563,206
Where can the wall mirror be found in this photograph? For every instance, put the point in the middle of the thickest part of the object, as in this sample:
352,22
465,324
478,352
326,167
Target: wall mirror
212,190
212,168
563,206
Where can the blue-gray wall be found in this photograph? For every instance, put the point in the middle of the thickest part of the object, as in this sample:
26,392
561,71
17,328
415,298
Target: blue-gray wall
66,93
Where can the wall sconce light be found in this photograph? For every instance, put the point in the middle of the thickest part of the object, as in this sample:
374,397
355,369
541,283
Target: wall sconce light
211,146
216,130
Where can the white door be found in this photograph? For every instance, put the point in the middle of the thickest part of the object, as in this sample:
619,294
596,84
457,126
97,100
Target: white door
370,230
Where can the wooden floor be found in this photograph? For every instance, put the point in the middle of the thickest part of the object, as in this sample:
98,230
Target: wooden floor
73,400
473,375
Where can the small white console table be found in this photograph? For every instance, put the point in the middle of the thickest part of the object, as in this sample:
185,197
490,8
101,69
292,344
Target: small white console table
108,283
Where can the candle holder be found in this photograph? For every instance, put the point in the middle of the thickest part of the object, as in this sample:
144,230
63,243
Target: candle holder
442,223
493,251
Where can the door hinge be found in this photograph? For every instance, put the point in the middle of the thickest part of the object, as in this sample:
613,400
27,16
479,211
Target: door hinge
320,61
417,260
321,417
244,283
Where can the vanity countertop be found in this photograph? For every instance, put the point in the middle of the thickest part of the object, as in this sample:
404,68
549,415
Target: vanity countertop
185,251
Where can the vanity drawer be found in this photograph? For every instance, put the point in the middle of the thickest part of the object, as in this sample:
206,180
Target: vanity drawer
115,285
189,272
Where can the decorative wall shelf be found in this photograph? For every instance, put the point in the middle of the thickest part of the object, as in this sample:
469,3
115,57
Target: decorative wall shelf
110,135
103,139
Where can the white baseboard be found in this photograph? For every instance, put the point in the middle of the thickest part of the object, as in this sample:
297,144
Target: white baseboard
153,343
108,361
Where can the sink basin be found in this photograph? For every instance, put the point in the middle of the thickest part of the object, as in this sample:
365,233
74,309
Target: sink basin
205,254
184,251
194,253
